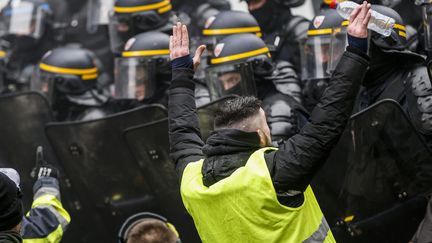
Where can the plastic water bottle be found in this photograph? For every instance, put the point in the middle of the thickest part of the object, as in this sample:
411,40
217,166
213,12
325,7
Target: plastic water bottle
378,22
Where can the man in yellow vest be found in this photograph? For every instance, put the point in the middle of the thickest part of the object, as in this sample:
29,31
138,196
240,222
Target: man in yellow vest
237,187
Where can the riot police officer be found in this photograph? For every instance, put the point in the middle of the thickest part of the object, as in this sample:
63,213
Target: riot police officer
68,76
320,53
132,17
86,22
143,73
398,74
227,23
241,65
281,30
26,41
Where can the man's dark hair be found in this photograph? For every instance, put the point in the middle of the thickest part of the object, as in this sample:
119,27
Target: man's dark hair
236,110
151,231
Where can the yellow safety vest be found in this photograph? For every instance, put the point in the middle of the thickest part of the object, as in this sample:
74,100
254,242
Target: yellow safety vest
244,207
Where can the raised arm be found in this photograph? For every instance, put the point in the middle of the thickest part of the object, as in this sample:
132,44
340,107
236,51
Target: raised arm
298,160
184,133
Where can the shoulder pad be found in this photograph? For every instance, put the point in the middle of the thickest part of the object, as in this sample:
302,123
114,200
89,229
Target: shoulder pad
285,80
202,95
424,104
420,81
297,27
426,121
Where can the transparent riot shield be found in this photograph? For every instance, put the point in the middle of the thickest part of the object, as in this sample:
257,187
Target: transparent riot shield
102,173
374,189
23,118
206,115
152,155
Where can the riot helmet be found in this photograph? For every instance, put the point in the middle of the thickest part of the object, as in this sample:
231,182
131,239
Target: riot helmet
236,64
131,17
67,71
24,20
283,3
326,41
227,23
397,41
144,67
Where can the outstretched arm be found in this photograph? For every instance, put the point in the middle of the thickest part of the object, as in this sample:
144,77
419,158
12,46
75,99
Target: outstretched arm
184,132
297,161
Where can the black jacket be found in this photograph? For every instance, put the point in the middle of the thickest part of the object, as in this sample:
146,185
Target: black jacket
293,166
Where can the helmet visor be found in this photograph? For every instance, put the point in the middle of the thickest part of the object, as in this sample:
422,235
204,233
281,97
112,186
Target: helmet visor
122,27
225,80
23,18
427,25
44,83
339,43
98,13
315,55
135,78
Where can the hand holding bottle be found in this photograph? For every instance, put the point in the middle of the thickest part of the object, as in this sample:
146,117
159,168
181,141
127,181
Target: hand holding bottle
359,20
378,22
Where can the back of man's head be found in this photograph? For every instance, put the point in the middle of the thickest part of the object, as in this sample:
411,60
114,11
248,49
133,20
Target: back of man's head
151,231
11,211
238,113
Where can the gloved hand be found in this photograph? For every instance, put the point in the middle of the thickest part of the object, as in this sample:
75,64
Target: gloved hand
43,168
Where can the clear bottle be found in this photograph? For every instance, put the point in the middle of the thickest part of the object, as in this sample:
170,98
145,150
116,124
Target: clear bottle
379,23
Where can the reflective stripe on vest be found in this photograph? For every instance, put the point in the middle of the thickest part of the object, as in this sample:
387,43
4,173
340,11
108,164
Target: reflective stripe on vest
244,207
54,207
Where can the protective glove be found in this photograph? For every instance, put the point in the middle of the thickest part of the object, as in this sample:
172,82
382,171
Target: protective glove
42,167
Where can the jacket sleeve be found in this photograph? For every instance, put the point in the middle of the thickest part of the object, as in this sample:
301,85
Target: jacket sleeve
297,161
184,132
47,220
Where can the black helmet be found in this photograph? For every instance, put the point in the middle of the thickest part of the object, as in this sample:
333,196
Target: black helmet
290,3
236,60
26,19
325,43
286,3
68,70
143,67
398,37
131,17
227,23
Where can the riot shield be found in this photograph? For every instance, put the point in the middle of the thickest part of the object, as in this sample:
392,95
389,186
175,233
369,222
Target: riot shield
108,183
379,180
23,118
152,155
206,115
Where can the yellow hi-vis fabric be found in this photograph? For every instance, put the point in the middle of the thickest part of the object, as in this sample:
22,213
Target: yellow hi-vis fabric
56,235
244,207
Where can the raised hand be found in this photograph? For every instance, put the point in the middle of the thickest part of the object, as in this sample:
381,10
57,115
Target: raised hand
42,167
179,44
359,20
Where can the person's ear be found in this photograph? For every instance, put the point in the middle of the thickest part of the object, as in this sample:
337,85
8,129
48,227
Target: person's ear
262,137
